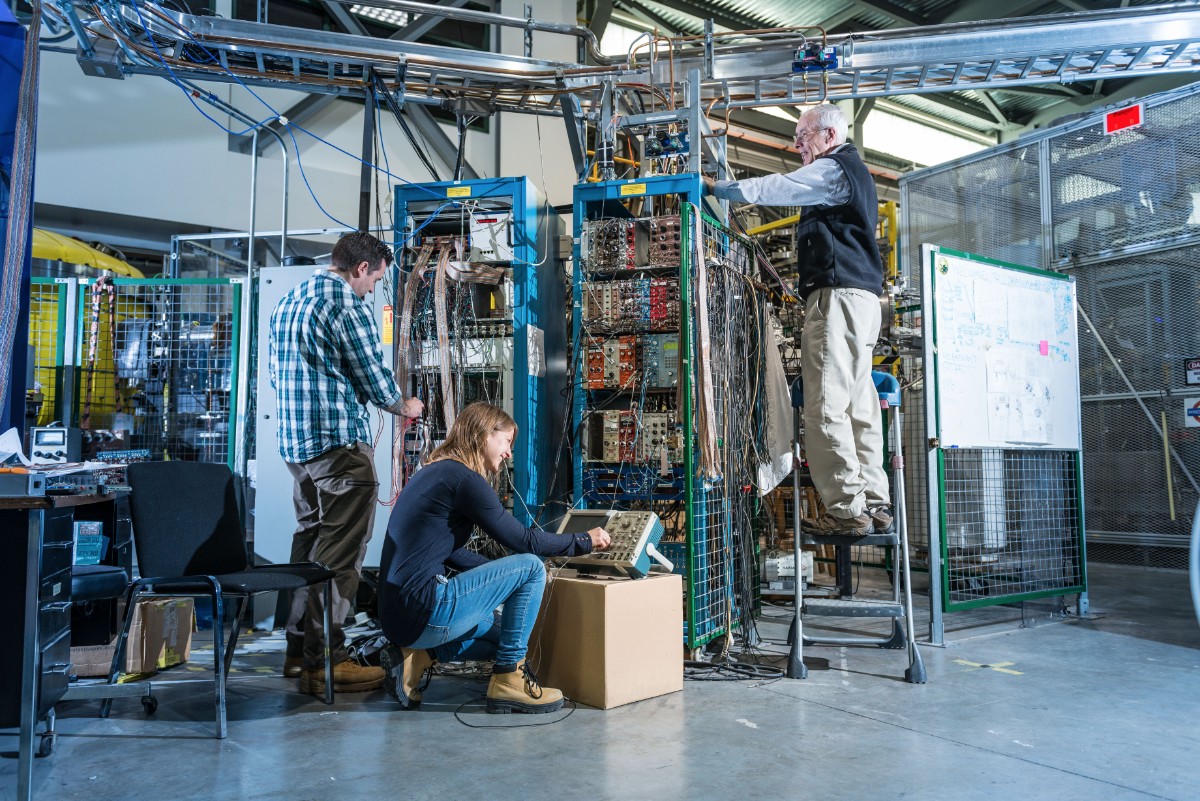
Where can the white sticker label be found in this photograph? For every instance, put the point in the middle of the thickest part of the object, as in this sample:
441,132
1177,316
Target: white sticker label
537,351
1191,412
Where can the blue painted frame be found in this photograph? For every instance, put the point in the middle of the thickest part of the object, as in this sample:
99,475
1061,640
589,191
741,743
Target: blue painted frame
538,300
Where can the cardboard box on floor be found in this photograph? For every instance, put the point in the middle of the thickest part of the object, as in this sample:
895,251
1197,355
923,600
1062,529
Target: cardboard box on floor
607,642
160,636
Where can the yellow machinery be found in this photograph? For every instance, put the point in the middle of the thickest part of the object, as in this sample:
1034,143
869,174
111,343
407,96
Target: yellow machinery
47,323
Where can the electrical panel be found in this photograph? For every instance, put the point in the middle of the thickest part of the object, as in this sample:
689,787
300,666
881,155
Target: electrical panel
478,317
668,335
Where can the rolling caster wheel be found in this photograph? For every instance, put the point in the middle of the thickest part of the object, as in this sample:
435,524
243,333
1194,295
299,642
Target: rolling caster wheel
46,745
149,704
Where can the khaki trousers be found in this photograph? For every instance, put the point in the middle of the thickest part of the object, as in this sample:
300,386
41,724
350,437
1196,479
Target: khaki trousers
335,497
843,424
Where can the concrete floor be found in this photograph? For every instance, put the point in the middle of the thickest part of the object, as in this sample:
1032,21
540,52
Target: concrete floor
1105,708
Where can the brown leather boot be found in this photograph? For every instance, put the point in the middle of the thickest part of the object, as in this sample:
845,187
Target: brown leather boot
293,666
519,691
348,677
404,668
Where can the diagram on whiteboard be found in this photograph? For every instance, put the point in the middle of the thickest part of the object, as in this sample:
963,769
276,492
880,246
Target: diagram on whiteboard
1005,352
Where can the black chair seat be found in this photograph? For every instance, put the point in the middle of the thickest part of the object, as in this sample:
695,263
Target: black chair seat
97,582
245,583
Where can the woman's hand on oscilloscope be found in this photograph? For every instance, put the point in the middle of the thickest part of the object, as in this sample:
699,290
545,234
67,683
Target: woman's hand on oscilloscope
600,539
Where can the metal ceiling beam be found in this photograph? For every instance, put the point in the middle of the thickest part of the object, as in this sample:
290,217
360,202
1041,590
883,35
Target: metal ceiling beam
926,118
420,25
651,17
428,128
1139,88
601,14
1046,90
302,110
955,103
342,16
861,109
316,103
1078,5
437,139
996,111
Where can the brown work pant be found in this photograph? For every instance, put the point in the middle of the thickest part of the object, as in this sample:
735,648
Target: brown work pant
335,497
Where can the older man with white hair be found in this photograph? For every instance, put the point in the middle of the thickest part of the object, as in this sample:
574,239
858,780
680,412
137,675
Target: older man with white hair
841,279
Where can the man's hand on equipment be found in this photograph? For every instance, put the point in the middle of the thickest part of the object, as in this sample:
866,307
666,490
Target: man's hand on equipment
600,539
413,407
710,184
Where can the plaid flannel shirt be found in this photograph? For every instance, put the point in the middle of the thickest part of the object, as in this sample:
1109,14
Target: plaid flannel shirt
326,365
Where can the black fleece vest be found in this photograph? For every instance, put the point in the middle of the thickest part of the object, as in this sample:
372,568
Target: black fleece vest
836,244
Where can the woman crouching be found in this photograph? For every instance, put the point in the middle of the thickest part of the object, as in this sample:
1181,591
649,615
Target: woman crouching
430,618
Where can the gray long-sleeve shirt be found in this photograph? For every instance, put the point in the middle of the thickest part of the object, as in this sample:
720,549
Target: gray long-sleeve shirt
822,183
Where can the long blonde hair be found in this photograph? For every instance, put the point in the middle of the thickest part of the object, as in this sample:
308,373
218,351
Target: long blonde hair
468,437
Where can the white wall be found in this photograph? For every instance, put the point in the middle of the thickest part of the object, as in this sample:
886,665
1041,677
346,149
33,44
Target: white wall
137,147
518,132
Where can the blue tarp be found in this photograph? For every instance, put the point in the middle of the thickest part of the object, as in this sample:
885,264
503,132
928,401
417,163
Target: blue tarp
12,54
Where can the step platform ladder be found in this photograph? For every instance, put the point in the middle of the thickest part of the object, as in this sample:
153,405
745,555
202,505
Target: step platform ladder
900,608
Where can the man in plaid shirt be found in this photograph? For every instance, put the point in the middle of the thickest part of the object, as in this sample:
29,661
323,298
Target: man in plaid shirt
326,365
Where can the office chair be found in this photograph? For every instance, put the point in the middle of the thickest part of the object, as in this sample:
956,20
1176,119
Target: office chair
189,539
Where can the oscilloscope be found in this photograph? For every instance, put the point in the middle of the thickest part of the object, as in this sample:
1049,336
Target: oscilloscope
634,537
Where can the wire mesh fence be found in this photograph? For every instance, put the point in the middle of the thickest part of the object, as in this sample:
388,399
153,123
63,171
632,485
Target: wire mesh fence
1121,218
150,368
1011,525
159,363
730,329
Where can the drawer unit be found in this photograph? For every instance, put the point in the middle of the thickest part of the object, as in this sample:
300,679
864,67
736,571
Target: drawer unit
35,583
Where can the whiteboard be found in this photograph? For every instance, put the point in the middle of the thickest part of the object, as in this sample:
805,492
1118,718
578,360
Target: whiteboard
1005,352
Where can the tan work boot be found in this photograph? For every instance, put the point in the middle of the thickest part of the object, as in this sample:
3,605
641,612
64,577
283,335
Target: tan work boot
881,518
827,524
519,691
348,677
404,669
293,666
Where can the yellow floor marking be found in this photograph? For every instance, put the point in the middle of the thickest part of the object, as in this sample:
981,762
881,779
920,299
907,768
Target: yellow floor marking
999,667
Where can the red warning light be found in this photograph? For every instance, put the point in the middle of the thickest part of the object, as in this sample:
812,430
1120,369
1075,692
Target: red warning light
1123,118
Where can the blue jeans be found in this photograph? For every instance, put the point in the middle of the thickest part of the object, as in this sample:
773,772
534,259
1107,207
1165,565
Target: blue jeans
464,624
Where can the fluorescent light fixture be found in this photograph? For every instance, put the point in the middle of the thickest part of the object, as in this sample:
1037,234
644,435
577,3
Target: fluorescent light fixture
385,15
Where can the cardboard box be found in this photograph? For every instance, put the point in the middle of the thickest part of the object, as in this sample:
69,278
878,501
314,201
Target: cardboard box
160,636
607,642
92,660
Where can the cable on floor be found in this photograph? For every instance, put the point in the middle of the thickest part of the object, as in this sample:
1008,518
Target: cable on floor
483,699
728,671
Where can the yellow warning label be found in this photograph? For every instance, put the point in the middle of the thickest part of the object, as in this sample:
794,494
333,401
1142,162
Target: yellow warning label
633,189
458,191
388,325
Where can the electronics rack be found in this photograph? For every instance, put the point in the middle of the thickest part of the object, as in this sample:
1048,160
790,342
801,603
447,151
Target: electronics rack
504,322
633,413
